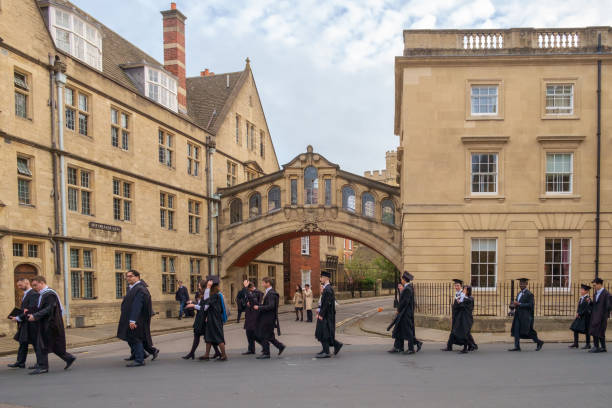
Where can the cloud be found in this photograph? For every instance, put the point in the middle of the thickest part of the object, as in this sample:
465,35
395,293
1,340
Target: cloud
324,68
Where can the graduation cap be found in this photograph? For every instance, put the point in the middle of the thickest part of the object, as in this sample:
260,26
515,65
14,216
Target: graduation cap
598,281
326,274
585,287
213,278
407,276
523,280
458,281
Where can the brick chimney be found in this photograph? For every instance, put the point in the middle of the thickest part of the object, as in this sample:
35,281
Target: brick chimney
206,73
174,50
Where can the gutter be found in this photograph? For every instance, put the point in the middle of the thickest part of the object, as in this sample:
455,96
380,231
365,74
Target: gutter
598,202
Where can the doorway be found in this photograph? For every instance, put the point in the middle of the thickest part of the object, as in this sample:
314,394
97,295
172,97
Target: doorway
22,271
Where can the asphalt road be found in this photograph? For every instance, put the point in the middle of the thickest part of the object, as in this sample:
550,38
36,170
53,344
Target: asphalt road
362,375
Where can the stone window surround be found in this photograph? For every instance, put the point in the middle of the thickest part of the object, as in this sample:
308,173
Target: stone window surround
484,144
576,95
500,236
500,99
560,144
574,236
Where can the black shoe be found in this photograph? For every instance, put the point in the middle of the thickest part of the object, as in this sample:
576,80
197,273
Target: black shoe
247,353
514,349
188,356
179,318
594,350
69,362
337,349
474,347
155,354
39,371
281,349
575,345
131,358
419,345
34,367
586,347
447,349
146,356
16,365
135,364
463,351
409,352
263,357
539,346
392,351
322,355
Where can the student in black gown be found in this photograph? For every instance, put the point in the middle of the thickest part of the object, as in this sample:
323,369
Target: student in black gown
199,323
51,337
213,332
458,286
583,318
26,331
267,320
253,298
147,344
403,323
599,317
522,323
325,331
464,320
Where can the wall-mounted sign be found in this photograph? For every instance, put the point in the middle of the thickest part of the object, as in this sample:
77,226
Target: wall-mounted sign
104,227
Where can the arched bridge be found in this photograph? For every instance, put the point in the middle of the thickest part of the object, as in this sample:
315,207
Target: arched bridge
309,196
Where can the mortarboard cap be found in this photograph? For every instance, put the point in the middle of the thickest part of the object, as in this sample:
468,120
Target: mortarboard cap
213,278
597,280
459,281
585,287
327,274
523,280
407,276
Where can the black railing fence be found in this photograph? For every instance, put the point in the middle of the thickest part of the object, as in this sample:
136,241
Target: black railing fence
436,298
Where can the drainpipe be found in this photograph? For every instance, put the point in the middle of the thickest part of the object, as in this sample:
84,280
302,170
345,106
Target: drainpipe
60,79
210,149
598,209
56,217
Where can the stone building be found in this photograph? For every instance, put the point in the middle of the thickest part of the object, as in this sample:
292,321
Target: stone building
389,174
499,134
121,144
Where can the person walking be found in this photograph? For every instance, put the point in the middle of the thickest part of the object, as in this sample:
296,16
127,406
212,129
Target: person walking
26,331
267,320
216,317
583,318
298,301
458,286
51,337
464,320
599,317
250,317
135,320
522,323
241,299
325,331
308,299
181,296
403,323
199,323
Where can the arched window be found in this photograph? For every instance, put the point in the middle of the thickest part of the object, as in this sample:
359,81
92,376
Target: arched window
367,205
235,211
255,205
274,200
311,185
388,212
348,198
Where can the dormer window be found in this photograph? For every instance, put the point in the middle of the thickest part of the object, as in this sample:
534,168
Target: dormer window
161,87
78,38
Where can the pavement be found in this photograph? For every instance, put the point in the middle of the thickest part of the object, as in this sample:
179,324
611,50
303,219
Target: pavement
363,374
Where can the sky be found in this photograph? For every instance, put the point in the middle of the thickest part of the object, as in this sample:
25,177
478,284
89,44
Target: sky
325,69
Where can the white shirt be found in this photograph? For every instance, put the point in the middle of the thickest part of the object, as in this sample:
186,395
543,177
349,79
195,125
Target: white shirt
22,299
206,296
136,283
520,295
461,297
598,293
582,298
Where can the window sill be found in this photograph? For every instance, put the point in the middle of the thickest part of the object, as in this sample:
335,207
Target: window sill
27,206
544,197
166,166
274,211
562,291
28,119
499,198
487,290
471,117
552,116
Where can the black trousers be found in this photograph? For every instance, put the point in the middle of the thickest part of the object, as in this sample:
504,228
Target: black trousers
42,355
309,315
265,343
239,314
22,352
326,346
587,336
251,338
599,342
517,337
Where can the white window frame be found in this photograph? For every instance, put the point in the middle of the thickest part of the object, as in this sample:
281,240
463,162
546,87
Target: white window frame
486,193
496,264
548,110
561,263
488,86
571,173
306,277
305,246
161,87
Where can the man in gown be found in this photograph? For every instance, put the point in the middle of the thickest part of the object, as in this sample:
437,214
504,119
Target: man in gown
26,331
325,331
267,320
522,324
599,317
403,324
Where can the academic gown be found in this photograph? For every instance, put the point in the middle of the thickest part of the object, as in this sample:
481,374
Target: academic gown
463,321
582,323
326,328
524,316
213,332
136,306
601,312
199,323
404,321
27,331
250,314
267,315
51,335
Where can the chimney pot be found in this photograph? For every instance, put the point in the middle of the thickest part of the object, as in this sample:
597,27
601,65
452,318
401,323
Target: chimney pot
174,50
173,6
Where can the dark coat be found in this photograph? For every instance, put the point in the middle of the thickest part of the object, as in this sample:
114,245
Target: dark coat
267,315
213,332
601,312
26,331
524,316
136,306
582,323
199,323
326,328
50,324
404,320
182,294
241,299
250,314
463,320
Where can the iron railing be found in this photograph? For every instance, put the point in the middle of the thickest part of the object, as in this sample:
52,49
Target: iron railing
436,298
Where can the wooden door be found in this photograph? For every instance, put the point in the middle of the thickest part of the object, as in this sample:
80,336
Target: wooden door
22,271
